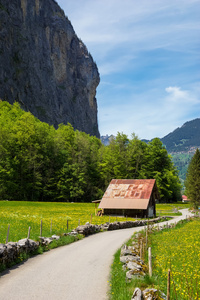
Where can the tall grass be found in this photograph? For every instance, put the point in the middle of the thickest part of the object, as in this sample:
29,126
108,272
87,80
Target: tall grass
178,250
20,215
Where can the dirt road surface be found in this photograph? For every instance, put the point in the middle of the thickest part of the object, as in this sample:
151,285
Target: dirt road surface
79,271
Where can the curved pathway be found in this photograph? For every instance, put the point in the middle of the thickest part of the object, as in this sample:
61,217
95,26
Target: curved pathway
77,271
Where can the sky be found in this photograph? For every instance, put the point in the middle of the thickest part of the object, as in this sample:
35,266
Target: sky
148,56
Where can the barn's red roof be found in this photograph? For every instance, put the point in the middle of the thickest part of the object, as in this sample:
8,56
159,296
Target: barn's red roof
185,198
128,194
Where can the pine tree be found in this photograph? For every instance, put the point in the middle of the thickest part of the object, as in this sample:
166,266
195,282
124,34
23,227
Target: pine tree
192,182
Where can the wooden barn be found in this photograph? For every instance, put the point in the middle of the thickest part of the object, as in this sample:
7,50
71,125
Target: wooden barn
130,197
185,199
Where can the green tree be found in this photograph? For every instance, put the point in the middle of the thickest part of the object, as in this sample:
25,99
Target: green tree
192,182
136,152
159,166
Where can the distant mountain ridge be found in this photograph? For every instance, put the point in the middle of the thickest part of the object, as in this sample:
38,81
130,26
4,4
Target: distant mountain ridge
183,139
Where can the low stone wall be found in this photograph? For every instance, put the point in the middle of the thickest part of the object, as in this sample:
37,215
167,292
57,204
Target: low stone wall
12,251
89,229
135,267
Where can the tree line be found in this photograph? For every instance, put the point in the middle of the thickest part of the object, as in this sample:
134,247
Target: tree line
41,163
192,181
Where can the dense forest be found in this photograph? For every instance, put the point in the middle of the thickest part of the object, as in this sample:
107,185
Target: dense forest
41,163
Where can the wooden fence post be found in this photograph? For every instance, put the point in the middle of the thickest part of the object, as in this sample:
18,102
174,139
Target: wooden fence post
41,229
67,224
150,262
29,230
141,248
168,285
51,227
79,222
7,234
146,237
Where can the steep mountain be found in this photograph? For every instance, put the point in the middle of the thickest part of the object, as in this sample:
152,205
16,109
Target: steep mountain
45,67
105,139
182,144
183,139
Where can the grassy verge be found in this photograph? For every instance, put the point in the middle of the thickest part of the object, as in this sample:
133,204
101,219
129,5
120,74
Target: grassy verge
120,287
177,249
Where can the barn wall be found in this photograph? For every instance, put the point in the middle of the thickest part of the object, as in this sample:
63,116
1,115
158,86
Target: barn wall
126,212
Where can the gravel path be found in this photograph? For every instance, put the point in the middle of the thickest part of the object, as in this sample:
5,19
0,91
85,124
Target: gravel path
77,271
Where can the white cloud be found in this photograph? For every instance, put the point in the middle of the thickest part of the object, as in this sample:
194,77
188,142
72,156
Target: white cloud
147,118
180,96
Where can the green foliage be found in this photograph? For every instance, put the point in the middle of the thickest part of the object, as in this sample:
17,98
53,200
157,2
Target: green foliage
40,163
192,182
124,158
181,161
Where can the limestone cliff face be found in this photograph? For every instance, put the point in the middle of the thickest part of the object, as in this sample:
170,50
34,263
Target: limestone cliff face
45,67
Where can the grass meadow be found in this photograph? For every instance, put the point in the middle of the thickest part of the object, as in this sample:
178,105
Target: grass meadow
20,215
178,249
175,249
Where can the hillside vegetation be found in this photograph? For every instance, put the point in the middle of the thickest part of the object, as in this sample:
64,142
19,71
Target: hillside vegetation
183,139
181,144
40,163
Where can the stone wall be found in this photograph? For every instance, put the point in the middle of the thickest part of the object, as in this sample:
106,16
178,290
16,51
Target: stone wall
13,251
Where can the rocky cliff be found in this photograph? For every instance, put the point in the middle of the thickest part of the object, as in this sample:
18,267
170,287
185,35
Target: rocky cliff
45,67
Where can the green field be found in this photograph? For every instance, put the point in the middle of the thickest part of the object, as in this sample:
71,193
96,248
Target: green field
20,215
177,249
170,208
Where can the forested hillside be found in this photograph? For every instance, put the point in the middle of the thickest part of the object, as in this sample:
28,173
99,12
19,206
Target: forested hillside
40,163
183,139
181,144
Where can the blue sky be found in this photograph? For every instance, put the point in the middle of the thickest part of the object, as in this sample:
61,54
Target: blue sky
148,56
